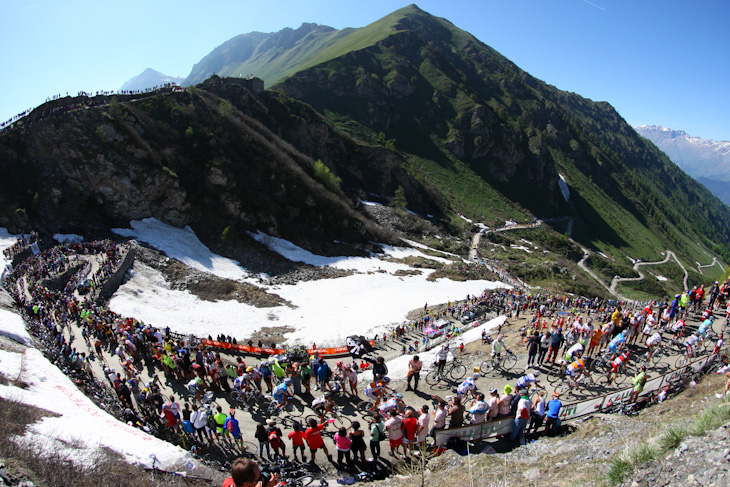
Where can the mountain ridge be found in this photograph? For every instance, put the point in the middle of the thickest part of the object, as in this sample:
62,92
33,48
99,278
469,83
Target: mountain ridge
707,161
148,79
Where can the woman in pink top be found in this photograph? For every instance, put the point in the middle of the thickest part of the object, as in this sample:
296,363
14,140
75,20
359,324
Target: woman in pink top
343,443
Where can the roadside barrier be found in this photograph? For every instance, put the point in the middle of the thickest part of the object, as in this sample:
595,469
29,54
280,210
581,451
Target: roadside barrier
570,411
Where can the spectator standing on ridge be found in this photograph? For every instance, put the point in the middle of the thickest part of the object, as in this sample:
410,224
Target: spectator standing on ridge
414,371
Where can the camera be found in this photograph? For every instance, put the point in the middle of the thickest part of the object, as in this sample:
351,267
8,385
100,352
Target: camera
265,477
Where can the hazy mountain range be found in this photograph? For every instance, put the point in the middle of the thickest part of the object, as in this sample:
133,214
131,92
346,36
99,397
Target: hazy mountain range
149,78
708,161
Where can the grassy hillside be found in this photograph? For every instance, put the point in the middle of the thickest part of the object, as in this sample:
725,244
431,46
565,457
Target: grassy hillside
495,141
277,55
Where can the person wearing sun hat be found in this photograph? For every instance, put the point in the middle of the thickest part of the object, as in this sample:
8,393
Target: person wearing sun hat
493,403
505,402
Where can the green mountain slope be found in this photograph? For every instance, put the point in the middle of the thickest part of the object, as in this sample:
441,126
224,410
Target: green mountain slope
483,132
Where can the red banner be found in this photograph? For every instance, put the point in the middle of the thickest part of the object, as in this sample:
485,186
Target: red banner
323,352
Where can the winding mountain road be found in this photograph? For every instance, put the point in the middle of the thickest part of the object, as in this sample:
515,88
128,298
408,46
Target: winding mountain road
611,288
669,255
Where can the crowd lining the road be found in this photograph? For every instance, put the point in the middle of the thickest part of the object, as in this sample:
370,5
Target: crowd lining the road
561,327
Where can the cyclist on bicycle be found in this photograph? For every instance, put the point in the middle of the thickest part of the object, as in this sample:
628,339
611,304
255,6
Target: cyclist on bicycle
255,376
376,390
652,343
576,369
395,402
617,365
241,383
677,329
527,380
691,344
441,356
323,405
468,387
196,386
497,346
281,394
705,327
575,352
706,314
617,344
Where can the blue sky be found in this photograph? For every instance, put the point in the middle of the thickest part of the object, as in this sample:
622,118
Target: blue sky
657,62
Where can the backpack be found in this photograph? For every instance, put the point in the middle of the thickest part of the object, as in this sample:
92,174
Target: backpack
274,439
211,420
381,432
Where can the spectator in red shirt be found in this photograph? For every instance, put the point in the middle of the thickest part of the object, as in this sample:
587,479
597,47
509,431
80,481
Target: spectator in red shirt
313,437
297,441
410,425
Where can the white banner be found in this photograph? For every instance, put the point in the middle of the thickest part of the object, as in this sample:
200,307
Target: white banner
568,411
578,409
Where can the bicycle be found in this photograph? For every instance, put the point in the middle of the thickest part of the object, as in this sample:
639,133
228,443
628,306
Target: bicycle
569,384
290,474
622,373
339,420
506,363
367,406
688,355
273,408
249,399
655,358
154,469
454,369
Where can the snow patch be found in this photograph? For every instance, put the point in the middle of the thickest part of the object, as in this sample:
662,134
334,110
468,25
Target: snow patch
81,426
182,244
564,189
13,327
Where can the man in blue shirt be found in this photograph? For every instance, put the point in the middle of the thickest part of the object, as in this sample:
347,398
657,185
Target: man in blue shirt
552,423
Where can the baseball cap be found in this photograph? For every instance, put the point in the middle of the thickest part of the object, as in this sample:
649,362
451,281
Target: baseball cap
492,391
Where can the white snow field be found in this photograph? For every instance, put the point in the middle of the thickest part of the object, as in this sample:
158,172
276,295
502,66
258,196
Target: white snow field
324,311
80,427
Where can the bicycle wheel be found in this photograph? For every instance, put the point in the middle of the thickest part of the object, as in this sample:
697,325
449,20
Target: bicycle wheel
603,381
432,378
366,407
622,375
599,365
487,366
236,396
557,377
249,447
292,410
681,361
311,416
564,387
302,481
458,371
509,361
342,421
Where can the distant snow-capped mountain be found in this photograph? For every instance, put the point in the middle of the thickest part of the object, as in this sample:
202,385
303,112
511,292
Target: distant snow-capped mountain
708,161
149,78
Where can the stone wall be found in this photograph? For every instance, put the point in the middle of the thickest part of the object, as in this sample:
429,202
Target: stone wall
111,285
